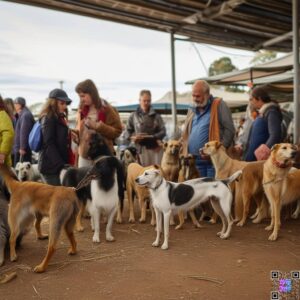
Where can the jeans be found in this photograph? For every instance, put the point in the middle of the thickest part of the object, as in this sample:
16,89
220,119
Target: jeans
205,167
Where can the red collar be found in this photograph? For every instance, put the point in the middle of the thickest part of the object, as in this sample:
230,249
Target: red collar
281,165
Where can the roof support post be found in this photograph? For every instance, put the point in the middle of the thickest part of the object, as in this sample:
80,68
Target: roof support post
296,71
174,116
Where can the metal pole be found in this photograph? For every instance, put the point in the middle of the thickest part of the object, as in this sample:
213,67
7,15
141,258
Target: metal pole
174,116
296,71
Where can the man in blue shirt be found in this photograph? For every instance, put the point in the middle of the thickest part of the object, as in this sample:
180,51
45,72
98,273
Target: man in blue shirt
209,119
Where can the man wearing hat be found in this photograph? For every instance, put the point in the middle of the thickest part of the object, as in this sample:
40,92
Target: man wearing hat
24,124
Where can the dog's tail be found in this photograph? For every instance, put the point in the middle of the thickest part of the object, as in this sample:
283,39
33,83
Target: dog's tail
9,177
233,177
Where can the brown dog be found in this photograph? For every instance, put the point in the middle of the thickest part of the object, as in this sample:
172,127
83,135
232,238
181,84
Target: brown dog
134,170
188,170
281,186
170,160
34,199
249,184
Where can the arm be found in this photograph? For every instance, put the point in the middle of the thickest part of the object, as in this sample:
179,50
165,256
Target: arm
274,127
226,124
26,127
129,127
6,134
161,129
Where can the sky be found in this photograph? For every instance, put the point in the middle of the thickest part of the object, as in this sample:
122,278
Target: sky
40,47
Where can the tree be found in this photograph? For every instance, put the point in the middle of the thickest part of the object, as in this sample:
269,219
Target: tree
220,66
263,56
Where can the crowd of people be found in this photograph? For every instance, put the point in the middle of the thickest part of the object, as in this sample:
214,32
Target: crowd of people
209,118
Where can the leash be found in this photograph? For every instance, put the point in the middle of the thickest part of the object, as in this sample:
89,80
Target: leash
89,176
273,180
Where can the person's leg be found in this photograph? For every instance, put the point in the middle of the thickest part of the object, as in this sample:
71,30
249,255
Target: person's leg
145,157
210,171
52,179
201,166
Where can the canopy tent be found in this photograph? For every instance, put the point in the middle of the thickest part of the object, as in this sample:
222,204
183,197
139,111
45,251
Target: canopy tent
273,67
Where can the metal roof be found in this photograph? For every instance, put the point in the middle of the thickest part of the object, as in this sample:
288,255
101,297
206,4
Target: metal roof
244,24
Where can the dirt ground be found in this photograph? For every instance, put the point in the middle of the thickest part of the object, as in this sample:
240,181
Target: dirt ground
198,265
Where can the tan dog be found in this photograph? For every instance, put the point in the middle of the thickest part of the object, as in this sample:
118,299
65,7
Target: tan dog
188,170
34,199
170,160
134,170
281,186
248,186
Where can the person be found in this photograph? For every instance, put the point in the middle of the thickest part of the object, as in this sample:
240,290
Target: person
9,103
94,115
24,124
145,128
266,129
6,135
55,151
209,119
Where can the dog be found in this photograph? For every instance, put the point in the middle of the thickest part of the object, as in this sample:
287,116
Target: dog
142,193
29,200
280,185
168,196
97,149
128,156
249,185
187,171
27,171
102,186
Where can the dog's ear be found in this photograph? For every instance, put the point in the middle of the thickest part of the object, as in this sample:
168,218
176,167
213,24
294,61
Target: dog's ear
157,167
165,145
218,144
28,165
275,147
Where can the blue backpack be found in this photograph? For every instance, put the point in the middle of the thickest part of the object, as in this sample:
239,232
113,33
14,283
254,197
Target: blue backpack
35,139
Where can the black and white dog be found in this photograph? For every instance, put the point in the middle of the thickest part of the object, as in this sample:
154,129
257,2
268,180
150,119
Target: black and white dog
168,196
27,171
105,191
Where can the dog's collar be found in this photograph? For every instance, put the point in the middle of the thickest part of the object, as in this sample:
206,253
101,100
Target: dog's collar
159,184
281,165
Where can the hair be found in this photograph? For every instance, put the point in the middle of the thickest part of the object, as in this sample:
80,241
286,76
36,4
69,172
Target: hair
2,104
145,92
88,87
10,106
261,93
50,108
204,85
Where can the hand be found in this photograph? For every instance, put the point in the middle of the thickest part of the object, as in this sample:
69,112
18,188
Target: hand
75,136
137,138
2,158
22,152
90,124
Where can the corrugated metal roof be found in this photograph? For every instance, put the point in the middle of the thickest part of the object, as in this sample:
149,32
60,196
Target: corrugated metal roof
233,23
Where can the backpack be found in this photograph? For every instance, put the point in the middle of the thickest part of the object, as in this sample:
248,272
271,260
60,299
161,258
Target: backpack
35,139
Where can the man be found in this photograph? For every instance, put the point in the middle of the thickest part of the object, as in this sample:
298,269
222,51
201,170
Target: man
24,124
146,128
210,119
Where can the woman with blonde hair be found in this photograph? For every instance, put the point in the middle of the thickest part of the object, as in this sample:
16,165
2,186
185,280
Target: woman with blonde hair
55,152
6,135
94,115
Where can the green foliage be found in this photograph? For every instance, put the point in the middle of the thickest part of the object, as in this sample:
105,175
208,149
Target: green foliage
263,56
220,66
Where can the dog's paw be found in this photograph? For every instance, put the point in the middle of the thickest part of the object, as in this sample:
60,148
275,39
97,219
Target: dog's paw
119,220
212,221
240,224
224,236
164,246
155,244
39,269
131,220
256,220
180,226
71,251
110,238
142,220
80,228
219,233
1,262
273,236
13,257
198,225
43,237
295,215
153,223
96,239
268,228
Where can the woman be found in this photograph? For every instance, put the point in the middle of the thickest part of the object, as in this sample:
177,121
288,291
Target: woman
94,115
266,129
55,152
6,135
